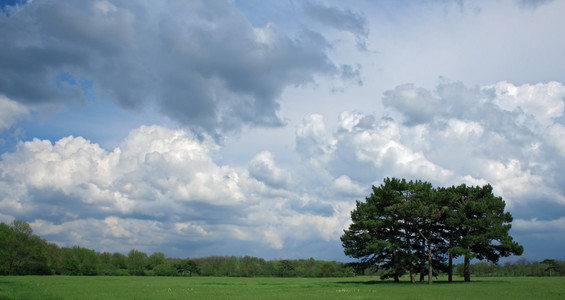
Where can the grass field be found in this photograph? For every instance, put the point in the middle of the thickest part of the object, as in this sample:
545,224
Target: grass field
105,287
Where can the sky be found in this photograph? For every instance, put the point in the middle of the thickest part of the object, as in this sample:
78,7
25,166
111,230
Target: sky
248,127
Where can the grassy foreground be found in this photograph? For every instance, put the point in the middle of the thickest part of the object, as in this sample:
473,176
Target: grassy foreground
102,287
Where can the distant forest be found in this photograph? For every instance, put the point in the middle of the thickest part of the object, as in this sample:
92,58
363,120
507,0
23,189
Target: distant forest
24,253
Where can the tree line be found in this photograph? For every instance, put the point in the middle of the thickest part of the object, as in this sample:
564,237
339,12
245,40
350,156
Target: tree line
518,268
521,267
24,253
410,227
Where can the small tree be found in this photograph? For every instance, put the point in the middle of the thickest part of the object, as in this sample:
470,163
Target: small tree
165,269
285,266
119,260
551,265
155,259
136,261
186,265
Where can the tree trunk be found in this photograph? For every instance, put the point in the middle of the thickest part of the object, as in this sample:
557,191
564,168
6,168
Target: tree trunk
396,278
422,272
467,269
450,268
422,266
412,280
430,266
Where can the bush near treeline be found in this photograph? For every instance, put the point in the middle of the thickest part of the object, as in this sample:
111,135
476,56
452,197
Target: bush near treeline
24,253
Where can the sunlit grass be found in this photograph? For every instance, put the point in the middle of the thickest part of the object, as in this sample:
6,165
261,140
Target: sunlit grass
102,287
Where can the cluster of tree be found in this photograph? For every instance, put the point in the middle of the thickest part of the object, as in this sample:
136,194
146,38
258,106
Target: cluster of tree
522,267
248,266
519,268
23,253
413,228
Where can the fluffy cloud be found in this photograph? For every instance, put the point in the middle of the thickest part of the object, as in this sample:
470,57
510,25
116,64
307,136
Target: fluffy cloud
159,189
542,102
201,62
345,185
503,134
262,167
313,141
151,167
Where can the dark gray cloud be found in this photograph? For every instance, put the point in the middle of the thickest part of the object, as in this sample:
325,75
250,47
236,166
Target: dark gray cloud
201,62
340,19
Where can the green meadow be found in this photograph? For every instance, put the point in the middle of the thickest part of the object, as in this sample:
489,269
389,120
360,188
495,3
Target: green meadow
130,287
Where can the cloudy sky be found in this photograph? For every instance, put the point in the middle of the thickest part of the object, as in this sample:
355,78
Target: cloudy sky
250,127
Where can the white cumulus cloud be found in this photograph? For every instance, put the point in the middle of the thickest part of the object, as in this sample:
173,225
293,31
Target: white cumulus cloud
159,188
263,168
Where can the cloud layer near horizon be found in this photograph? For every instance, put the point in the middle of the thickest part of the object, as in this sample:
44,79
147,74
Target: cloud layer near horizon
165,183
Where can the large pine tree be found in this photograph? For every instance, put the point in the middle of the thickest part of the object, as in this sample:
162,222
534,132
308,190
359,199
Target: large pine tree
479,226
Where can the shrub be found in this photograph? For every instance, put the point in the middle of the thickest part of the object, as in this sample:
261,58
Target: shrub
165,270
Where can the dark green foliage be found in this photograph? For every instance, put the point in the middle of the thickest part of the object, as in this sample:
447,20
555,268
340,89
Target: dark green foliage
155,259
374,237
248,266
136,262
79,261
165,269
185,266
22,252
551,266
397,228
285,268
410,227
521,268
113,264
478,225
119,260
